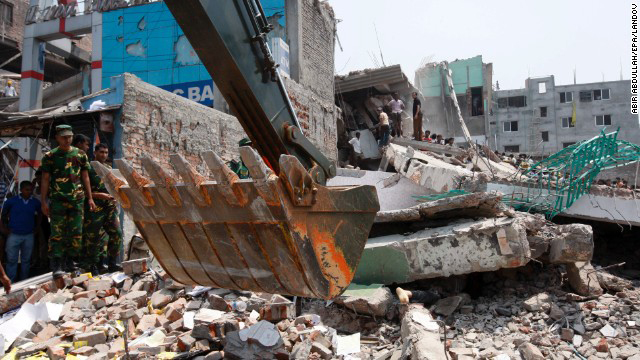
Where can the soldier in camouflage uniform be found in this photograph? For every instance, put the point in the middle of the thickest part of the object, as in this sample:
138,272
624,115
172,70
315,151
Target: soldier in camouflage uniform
238,167
105,217
65,171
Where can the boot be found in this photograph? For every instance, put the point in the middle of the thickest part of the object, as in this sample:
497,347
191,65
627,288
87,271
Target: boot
69,265
113,265
103,267
94,270
56,267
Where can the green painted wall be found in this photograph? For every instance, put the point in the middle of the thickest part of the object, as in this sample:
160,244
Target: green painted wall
382,265
465,73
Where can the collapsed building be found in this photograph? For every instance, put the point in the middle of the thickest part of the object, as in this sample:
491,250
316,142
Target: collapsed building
508,283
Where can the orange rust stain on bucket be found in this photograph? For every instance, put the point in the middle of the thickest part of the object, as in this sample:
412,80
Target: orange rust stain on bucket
331,260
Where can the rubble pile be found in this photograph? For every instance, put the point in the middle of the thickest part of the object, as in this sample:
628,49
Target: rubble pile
531,313
144,314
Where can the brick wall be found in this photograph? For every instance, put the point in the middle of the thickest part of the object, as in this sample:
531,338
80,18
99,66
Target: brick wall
317,27
15,31
157,123
317,117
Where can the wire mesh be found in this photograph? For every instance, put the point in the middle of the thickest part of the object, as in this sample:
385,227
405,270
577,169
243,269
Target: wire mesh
556,182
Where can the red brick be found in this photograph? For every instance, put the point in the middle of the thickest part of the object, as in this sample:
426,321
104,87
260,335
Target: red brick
37,295
602,346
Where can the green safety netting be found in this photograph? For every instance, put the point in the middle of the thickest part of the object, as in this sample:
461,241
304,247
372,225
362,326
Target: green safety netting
450,193
555,183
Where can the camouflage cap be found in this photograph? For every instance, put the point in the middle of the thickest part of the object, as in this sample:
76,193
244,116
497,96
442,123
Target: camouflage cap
64,130
244,142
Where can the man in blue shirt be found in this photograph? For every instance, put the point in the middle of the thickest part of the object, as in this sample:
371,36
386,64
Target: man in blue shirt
24,220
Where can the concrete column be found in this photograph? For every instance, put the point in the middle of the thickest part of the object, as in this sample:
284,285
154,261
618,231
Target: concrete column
293,9
96,51
32,72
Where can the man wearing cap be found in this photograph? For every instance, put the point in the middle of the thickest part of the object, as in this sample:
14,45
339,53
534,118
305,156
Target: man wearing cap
105,217
9,90
65,171
238,167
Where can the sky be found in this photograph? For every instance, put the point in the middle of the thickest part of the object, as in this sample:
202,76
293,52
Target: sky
521,38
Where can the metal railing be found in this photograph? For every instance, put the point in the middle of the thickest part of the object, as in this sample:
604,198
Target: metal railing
556,182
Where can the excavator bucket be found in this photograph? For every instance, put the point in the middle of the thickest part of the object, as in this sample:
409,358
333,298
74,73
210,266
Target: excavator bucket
276,234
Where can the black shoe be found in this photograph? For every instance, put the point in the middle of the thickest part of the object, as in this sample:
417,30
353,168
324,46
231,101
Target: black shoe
114,266
56,268
69,265
94,270
103,268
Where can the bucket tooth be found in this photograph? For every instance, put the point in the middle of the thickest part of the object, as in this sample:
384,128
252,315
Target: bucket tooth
191,179
298,181
136,182
112,183
164,183
263,177
226,179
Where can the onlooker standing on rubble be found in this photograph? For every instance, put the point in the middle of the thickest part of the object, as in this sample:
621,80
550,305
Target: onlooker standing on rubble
105,216
9,90
383,119
82,142
356,149
427,136
24,221
397,106
65,171
417,117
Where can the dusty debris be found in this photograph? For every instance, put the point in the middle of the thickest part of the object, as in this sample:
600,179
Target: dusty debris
374,300
583,278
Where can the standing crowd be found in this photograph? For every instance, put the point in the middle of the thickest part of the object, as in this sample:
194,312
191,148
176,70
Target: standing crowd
390,125
71,203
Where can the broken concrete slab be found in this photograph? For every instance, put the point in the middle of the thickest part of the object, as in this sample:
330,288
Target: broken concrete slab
366,299
462,247
427,171
419,327
394,192
461,206
573,242
583,278
431,147
612,282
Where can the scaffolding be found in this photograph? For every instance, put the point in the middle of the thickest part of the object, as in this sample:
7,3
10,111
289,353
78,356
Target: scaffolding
555,183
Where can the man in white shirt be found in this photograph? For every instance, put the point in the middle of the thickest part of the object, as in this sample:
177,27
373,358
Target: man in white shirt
357,149
397,106
9,90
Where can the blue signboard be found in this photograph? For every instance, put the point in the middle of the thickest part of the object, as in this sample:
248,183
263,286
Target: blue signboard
198,91
146,41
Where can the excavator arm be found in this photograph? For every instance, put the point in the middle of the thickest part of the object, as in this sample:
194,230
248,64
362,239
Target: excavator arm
230,39
282,231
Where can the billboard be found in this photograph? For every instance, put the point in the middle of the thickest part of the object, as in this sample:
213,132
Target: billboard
146,41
